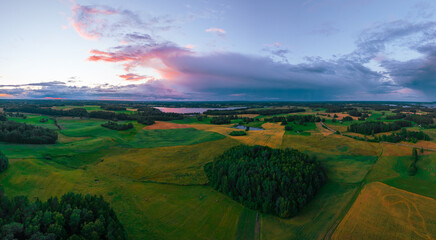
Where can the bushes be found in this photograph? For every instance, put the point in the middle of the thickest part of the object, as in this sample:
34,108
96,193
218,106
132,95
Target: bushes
274,181
4,162
14,132
116,126
238,133
145,121
73,216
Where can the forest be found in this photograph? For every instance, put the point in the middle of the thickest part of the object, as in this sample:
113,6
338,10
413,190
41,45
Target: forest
368,128
273,181
73,216
14,132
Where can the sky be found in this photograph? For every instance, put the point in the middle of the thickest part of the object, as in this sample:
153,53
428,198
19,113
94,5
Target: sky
199,50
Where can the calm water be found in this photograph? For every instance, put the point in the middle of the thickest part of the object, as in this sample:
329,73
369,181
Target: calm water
251,128
192,110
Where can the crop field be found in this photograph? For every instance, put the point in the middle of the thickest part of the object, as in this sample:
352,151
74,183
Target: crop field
381,210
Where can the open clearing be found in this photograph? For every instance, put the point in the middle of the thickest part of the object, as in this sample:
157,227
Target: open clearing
272,136
384,212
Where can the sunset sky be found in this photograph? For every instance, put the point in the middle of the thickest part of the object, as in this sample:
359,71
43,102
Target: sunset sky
178,50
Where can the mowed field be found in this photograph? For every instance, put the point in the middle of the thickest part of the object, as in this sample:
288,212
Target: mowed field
385,212
153,177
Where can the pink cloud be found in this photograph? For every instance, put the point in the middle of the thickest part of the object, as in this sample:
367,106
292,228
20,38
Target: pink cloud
132,56
134,77
5,95
88,21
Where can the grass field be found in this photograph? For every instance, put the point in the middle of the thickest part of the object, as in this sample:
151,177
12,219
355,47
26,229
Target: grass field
155,181
384,212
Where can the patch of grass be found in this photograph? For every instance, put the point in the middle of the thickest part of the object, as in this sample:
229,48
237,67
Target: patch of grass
314,220
346,168
302,129
389,213
171,137
392,170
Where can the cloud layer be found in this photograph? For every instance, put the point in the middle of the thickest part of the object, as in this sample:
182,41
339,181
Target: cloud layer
187,74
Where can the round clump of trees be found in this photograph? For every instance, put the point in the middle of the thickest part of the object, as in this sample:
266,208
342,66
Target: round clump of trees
274,181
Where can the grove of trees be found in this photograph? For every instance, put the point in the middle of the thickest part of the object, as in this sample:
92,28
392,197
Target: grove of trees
238,133
274,181
368,128
15,132
73,216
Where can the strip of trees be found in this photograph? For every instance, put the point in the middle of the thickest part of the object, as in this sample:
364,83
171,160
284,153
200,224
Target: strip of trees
368,128
73,216
238,133
117,126
265,112
274,181
14,132
404,135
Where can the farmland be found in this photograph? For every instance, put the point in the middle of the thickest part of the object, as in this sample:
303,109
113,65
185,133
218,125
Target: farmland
153,177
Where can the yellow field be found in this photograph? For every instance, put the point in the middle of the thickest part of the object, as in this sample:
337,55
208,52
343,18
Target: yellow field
322,130
384,212
272,136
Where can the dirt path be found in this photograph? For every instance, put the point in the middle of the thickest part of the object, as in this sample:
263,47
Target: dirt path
322,123
257,227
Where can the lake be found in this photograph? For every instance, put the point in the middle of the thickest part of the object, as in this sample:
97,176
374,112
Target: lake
193,110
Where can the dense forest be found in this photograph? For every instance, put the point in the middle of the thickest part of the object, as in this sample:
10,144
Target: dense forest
75,112
15,132
73,216
420,119
223,119
404,135
4,162
300,119
117,126
368,128
265,112
274,181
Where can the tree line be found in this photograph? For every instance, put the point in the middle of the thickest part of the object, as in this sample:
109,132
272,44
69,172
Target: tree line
117,126
368,128
265,112
144,114
273,181
73,216
404,135
15,132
